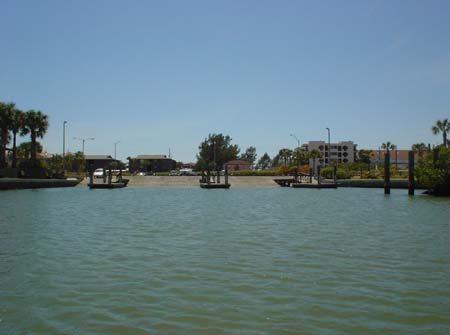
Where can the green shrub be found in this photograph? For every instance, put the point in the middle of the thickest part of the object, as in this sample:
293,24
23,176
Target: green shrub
327,173
435,175
243,173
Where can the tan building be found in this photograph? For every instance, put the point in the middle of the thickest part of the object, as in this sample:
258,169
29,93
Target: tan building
237,165
397,157
341,152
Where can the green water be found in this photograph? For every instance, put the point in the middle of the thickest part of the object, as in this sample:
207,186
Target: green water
242,261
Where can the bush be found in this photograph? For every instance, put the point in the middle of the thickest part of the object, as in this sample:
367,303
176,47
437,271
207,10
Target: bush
327,173
435,175
372,174
243,173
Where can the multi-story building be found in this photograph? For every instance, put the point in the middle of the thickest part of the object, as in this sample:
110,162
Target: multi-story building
341,152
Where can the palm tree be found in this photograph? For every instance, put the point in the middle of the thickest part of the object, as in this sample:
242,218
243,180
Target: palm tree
442,126
388,146
419,148
36,124
18,118
6,112
314,154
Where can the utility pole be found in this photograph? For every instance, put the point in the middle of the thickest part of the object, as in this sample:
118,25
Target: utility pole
84,140
297,155
329,146
64,145
298,141
64,138
115,147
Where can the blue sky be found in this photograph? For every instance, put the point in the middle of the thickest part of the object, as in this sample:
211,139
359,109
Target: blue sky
163,74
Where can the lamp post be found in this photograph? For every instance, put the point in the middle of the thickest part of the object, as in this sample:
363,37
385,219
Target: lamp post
329,146
64,138
115,147
296,138
64,145
84,140
297,153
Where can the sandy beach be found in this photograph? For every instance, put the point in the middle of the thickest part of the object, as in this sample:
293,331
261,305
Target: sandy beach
190,181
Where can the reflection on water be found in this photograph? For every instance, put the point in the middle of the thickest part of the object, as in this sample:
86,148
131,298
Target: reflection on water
243,261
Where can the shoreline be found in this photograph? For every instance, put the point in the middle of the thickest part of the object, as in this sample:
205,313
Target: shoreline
189,181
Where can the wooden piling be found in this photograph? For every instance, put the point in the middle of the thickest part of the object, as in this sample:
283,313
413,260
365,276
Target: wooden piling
318,175
226,175
334,174
387,173
109,176
310,175
411,173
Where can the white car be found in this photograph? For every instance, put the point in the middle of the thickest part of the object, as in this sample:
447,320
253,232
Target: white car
98,173
174,173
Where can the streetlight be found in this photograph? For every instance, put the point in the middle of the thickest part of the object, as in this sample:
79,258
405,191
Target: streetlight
115,146
298,141
329,146
64,138
84,140
297,154
64,145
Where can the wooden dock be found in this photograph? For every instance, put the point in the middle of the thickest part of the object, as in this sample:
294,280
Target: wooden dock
23,183
317,186
214,186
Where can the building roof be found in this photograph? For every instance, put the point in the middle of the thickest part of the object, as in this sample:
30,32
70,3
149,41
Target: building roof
153,157
237,162
97,157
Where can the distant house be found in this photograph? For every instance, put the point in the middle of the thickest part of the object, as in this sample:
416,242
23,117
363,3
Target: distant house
151,163
397,157
94,162
238,164
189,166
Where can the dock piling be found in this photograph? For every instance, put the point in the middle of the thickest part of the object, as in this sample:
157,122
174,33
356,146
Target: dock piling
411,172
387,173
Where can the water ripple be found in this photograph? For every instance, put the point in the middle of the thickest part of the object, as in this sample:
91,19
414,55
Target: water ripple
248,260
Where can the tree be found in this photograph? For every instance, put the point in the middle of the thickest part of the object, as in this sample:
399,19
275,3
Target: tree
388,146
17,124
249,155
24,150
442,126
77,161
434,172
285,155
364,156
6,117
300,156
36,124
314,154
215,151
419,148
264,162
